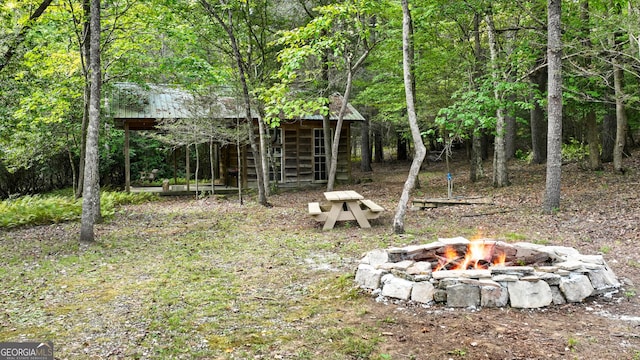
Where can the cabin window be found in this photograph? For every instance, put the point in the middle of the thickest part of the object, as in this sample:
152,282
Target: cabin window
319,159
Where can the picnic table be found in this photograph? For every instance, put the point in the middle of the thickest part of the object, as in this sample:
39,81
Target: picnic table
345,205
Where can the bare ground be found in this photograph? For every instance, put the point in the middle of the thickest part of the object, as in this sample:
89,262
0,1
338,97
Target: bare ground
600,213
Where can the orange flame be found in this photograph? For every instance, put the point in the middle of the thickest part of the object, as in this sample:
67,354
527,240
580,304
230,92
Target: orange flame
479,255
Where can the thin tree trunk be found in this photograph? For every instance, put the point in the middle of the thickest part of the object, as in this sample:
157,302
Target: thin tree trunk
537,120
85,52
343,109
590,121
378,153
554,99
511,128
242,76
608,136
365,147
500,174
476,170
212,167
420,150
195,173
621,117
91,189
264,158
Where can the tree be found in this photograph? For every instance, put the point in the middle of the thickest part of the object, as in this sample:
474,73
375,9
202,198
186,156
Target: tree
500,178
554,99
14,42
420,150
91,189
345,29
229,27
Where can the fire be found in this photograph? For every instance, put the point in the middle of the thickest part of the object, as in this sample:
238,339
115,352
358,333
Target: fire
479,255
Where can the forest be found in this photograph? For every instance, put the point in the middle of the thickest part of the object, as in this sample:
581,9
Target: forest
480,76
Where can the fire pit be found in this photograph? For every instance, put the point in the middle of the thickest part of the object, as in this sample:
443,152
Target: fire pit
486,273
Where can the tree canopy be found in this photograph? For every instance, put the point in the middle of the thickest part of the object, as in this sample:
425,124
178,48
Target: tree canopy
474,63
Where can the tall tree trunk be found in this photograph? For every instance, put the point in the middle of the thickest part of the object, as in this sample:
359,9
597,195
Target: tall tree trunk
85,54
420,150
378,153
500,174
212,166
326,121
343,109
593,139
91,189
621,117
608,136
590,121
554,99
476,170
510,133
365,158
537,119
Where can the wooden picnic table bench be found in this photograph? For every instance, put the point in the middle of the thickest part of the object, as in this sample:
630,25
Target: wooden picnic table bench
345,205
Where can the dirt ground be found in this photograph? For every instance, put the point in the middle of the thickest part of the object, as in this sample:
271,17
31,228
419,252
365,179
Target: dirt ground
600,214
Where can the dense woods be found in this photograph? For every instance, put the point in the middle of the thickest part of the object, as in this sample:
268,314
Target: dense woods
480,78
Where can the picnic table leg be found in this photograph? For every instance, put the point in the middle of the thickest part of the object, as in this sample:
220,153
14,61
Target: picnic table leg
354,207
332,216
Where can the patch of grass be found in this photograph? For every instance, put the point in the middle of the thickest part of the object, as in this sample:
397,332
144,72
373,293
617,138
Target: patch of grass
458,352
605,249
572,343
633,263
57,207
515,237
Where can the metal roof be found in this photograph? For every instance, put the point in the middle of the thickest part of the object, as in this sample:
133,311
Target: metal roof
147,104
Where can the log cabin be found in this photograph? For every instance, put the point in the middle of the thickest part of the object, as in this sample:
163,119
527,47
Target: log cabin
296,146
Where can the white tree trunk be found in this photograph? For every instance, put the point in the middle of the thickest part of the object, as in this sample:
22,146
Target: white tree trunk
420,150
500,178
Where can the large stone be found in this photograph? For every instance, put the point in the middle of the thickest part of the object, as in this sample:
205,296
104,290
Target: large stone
397,288
401,265
558,253
528,294
558,298
549,278
493,296
454,241
463,295
470,274
603,280
576,288
420,268
368,277
423,292
375,258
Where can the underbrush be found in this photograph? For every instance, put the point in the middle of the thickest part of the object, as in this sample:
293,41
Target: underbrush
58,207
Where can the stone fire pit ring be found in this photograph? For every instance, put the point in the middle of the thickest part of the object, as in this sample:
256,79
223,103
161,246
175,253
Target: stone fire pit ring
532,276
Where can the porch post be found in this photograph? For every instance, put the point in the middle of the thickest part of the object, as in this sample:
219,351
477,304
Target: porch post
127,161
187,170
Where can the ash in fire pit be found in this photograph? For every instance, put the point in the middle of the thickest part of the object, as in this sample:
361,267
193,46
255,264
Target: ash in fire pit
488,273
